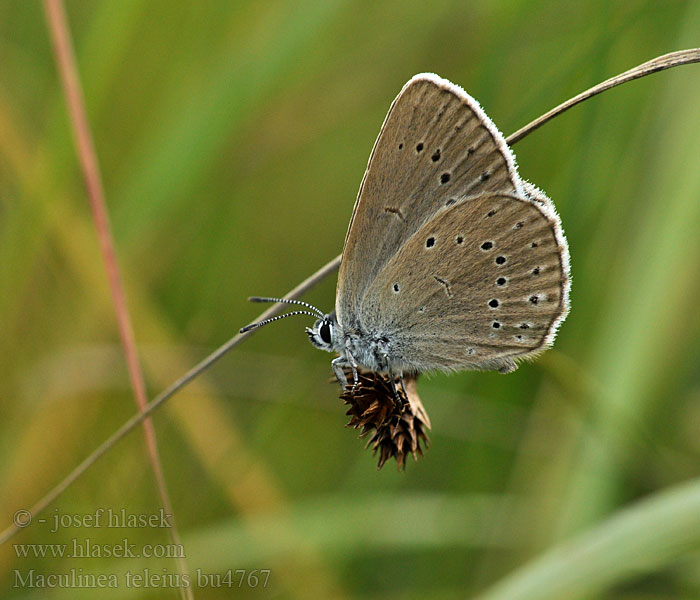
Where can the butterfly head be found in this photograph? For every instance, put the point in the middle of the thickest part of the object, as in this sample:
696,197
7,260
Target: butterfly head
325,333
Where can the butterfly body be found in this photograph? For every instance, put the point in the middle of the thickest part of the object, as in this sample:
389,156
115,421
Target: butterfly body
373,350
451,261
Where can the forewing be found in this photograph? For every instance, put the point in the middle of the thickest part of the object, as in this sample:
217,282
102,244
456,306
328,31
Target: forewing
481,283
436,147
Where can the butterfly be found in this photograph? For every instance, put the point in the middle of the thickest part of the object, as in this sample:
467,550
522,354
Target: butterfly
451,261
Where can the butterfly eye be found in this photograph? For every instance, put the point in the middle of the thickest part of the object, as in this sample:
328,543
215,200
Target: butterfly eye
325,332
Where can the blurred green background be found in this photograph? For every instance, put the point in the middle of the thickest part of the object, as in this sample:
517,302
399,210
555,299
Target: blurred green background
232,138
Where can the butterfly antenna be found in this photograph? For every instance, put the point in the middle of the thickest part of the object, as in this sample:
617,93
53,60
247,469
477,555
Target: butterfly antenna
285,301
277,318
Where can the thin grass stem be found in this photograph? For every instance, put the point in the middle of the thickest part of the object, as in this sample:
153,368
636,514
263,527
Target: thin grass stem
64,55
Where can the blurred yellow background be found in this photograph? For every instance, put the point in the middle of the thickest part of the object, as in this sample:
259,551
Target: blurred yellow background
232,138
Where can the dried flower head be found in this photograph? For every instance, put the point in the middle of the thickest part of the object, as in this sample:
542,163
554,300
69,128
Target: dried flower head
395,422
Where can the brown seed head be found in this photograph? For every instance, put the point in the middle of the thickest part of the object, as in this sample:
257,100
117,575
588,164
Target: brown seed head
396,422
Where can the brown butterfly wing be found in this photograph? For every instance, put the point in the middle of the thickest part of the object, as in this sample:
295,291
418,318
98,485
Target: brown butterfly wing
436,147
483,282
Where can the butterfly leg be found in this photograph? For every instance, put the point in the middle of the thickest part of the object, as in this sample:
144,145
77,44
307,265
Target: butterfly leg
350,359
338,365
381,355
355,377
398,401
394,388
403,385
